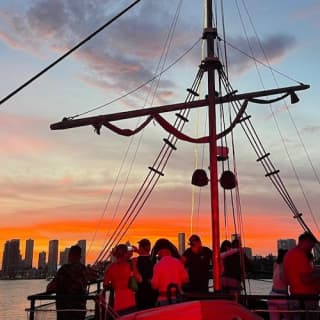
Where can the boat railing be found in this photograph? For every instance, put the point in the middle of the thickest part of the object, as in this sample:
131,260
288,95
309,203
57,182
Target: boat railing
43,305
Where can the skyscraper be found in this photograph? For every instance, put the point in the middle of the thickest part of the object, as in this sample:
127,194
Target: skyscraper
286,244
53,256
29,253
11,259
83,245
181,242
64,256
42,260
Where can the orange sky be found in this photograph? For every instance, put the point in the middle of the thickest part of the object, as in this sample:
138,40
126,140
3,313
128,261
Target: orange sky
69,232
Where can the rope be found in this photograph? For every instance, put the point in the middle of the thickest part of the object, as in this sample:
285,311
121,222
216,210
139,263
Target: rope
270,170
68,53
140,86
150,181
152,177
277,125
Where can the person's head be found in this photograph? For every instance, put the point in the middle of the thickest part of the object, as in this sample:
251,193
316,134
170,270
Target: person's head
74,254
235,243
225,246
120,251
195,242
144,246
307,241
281,254
164,252
164,244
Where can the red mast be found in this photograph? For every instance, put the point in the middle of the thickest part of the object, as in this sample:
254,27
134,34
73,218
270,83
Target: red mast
212,63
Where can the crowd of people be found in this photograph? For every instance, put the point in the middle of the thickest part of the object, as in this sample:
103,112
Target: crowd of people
158,275
163,274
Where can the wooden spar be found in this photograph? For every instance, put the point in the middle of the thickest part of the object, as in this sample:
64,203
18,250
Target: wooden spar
68,123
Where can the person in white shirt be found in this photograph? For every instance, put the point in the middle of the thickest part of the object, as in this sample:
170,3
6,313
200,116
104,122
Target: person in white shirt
169,272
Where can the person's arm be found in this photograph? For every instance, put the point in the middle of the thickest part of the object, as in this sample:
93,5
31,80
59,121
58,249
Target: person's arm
107,276
184,275
155,278
52,286
310,277
135,270
228,253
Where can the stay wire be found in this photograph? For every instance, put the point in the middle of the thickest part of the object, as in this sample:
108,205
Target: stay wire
140,86
143,194
129,216
294,125
268,166
43,71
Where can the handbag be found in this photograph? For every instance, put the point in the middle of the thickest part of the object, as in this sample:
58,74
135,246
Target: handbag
132,283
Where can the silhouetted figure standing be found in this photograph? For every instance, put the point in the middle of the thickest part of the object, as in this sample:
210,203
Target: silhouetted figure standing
146,296
197,260
235,266
71,280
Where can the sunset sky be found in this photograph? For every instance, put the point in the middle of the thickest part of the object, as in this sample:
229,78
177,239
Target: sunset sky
57,184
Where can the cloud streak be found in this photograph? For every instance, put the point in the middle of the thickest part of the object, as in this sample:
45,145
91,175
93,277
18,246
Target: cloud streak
120,57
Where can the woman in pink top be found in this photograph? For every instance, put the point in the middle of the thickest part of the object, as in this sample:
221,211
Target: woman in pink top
118,274
169,271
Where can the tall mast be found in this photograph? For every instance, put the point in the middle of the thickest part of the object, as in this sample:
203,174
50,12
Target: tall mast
212,63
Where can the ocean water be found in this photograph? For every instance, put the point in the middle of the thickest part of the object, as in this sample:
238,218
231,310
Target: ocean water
13,297
14,293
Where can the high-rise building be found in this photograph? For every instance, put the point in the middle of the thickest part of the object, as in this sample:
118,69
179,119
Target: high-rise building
286,244
28,258
64,256
11,259
181,242
83,245
248,252
42,260
53,256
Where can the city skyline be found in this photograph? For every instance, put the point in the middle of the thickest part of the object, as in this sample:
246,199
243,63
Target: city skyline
39,257
54,256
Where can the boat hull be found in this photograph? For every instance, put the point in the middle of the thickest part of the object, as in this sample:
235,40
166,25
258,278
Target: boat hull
196,310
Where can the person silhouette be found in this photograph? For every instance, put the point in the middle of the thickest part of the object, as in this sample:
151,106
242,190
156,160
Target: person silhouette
70,285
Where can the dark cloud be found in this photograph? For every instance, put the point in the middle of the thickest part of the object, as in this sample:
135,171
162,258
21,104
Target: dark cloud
311,129
122,56
119,58
269,50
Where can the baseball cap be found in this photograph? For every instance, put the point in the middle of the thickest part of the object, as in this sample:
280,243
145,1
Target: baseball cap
194,238
144,243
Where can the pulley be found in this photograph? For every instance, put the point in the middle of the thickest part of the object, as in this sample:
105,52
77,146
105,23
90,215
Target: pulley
228,180
199,178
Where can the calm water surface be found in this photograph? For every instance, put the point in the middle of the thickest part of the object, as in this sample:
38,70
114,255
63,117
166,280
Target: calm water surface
13,295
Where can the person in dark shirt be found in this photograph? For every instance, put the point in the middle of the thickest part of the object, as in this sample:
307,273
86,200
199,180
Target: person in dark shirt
197,260
71,279
146,296
234,268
